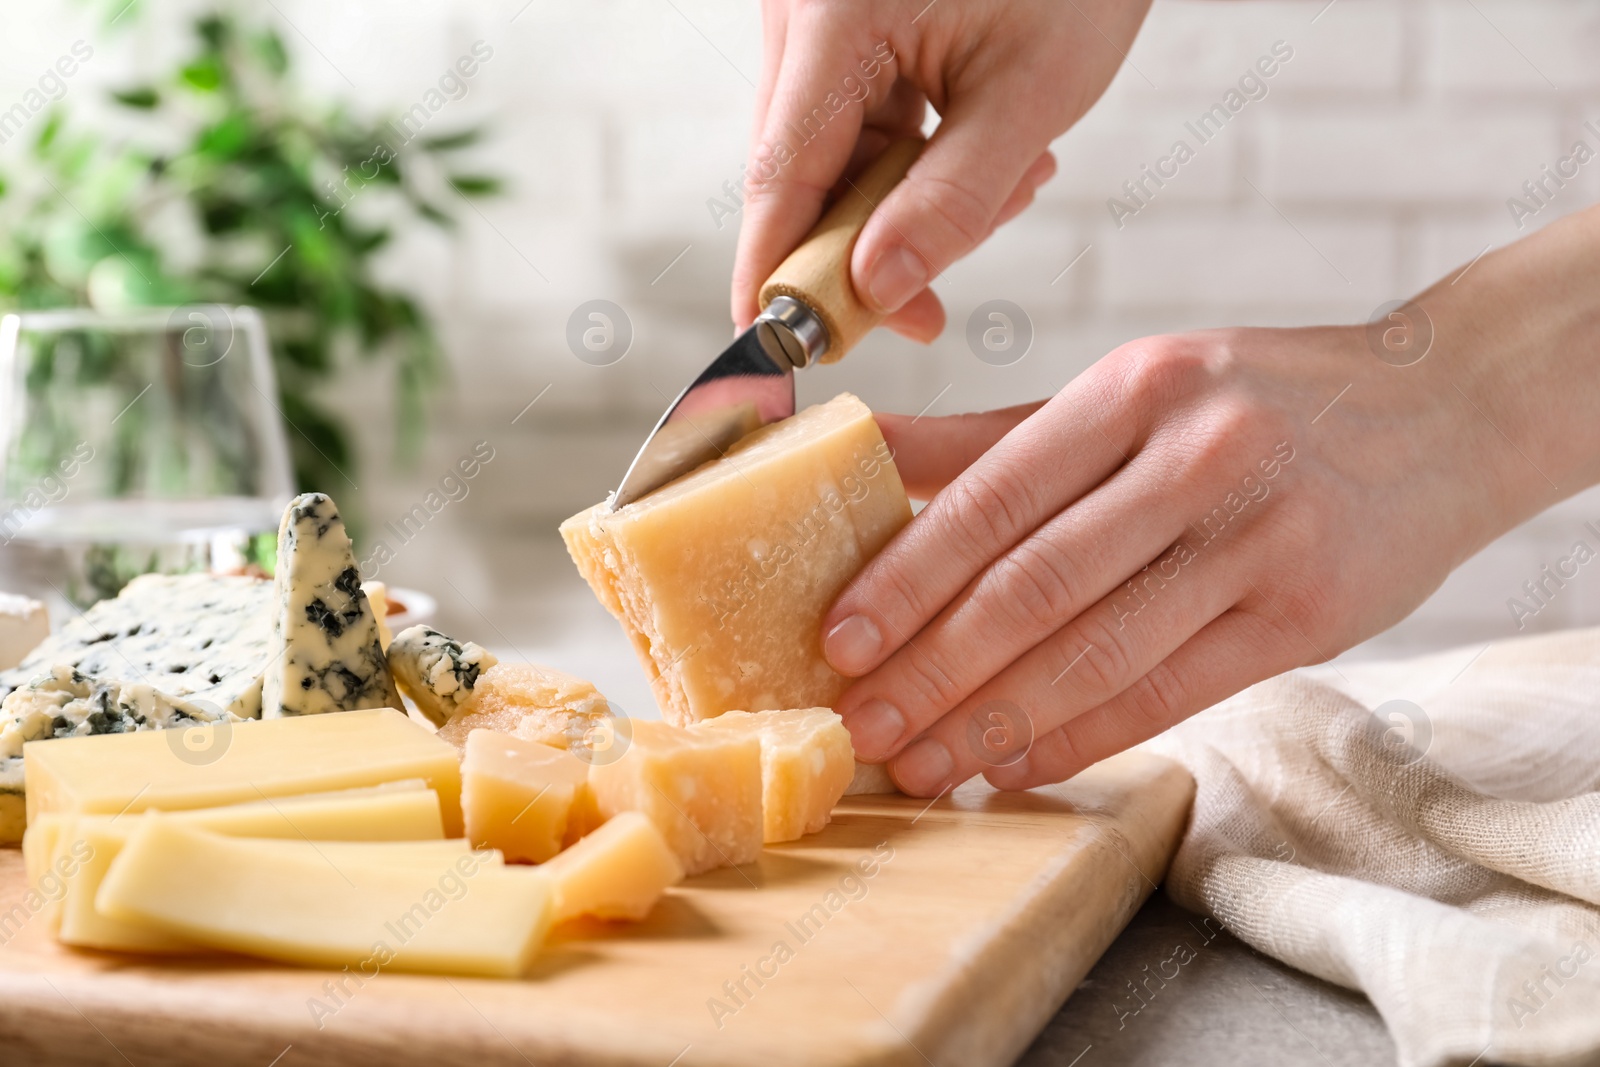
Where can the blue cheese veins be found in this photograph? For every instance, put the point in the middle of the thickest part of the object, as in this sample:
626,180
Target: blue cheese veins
437,672
329,656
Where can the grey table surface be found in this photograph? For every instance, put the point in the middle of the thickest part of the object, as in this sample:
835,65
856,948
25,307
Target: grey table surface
1224,1004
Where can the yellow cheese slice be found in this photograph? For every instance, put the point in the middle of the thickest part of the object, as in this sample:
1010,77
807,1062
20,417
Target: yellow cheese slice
394,811
530,701
101,838
721,578
232,763
85,845
516,795
701,788
807,762
293,901
617,872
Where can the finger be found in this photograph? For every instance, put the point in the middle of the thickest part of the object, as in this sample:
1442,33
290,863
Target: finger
920,320
929,451
1049,460
1054,575
1237,650
952,195
804,146
898,112
1043,169
774,28
1089,661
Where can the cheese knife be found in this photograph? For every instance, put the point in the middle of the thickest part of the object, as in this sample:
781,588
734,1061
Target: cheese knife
809,314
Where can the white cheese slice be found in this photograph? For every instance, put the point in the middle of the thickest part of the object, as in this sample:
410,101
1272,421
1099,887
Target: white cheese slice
24,623
329,657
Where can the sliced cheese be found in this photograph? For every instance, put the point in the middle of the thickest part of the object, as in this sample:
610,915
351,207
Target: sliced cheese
234,763
100,839
533,702
807,762
617,872
309,903
721,578
328,655
517,796
701,788
396,811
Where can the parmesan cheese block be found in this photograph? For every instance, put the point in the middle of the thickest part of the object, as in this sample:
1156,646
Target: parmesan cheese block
102,837
298,902
701,788
722,577
617,872
234,763
807,762
329,656
532,702
517,796
437,672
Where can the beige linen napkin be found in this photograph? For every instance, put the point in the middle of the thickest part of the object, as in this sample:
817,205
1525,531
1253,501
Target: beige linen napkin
1427,832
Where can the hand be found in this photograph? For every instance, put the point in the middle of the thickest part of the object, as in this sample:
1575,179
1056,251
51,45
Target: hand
1199,512
841,78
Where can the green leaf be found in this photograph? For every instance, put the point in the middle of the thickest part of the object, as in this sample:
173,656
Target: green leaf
448,142
434,215
47,134
203,75
227,138
475,184
269,46
143,97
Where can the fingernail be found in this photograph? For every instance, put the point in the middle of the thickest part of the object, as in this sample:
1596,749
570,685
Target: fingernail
924,766
874,728
897,276
852,647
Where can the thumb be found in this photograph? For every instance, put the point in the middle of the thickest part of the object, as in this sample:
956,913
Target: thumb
930,452
949,201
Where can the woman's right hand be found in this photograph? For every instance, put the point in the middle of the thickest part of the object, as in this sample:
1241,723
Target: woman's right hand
841,78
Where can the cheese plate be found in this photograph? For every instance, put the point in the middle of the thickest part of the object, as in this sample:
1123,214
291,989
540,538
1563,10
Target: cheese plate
906,932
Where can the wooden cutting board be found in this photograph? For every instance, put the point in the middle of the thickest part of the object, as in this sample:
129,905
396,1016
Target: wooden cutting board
905,933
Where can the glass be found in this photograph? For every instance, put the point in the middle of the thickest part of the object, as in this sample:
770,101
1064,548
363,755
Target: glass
134,442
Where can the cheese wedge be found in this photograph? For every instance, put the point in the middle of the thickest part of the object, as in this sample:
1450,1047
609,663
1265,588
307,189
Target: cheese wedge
101,839
617,872
437,672
807,762
721,578
327,655
701,788
396,811
517,796
285,900
233,763
530,701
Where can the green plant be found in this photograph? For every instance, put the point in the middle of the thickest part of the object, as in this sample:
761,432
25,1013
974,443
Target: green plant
228,186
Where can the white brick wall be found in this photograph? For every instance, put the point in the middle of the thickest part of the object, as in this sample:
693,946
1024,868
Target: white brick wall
1390,141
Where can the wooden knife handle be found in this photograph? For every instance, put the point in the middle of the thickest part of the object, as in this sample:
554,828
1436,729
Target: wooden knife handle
818,272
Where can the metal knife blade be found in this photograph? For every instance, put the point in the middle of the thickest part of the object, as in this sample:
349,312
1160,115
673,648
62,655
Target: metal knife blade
749,385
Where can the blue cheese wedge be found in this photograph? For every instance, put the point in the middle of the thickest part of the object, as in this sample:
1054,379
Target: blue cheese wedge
329,657
437,672
170,650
